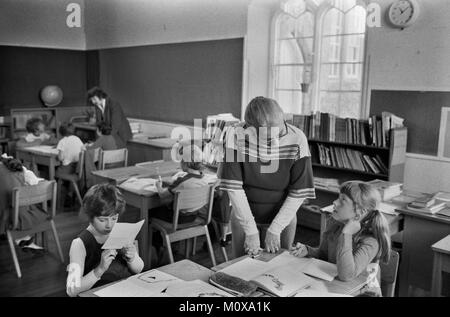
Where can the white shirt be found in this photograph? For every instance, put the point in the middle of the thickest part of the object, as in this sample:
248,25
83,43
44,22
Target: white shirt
70,148
30,137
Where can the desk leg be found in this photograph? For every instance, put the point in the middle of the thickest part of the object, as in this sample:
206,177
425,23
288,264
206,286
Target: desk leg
143,243
436,283
405,260
51,169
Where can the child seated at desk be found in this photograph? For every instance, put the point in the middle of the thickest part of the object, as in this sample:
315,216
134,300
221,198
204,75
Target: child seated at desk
193,177
105,140
36,134
90,266
69,149
357,235
14,174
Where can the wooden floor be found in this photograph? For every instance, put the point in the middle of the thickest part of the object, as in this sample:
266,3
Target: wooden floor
45,275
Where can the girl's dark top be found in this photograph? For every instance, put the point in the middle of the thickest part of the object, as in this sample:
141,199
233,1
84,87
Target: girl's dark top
116,271
29,216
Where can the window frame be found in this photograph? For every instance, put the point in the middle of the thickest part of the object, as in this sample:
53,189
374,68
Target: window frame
319,12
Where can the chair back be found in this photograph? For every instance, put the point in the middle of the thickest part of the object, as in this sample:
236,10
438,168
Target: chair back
388,274
194,198
31,195
115,157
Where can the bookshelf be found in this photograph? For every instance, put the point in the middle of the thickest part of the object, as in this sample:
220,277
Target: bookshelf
349,149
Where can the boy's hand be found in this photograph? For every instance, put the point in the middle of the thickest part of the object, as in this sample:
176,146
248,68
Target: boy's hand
299,250
159,186
272,242
351,227
129,252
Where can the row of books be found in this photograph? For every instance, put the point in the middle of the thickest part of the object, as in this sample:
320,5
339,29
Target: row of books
216,129
330,184
350,159
328,127
431,204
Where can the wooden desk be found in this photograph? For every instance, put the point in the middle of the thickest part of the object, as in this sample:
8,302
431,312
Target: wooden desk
143,148
349,288
41,157
420,232
143,200
184,269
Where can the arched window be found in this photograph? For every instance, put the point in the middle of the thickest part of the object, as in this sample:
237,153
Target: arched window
318,56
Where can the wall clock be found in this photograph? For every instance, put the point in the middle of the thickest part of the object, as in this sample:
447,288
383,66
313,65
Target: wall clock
403,13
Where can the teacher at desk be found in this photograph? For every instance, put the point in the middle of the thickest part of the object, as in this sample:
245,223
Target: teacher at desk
267,173
111,113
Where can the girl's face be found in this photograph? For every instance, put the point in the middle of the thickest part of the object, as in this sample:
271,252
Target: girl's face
104,224
344,209
40,129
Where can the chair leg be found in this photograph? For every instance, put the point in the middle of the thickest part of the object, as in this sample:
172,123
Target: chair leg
77,192
187,247
55,236
194,245
150,246
59,200
44,239
169,248
13,253
210,248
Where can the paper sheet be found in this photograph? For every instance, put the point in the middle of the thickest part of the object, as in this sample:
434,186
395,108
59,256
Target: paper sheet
137,184
44,149
314,293
122,234
246,269
321,269
148,284
195,288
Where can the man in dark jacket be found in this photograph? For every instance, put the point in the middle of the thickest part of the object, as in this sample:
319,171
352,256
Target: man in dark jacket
110,112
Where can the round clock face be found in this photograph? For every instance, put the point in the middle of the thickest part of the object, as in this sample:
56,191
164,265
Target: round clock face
403,13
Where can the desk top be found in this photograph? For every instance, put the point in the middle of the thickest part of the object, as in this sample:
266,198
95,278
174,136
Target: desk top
164,143
184,269
44,150
349,288
85,126
425,216
120,174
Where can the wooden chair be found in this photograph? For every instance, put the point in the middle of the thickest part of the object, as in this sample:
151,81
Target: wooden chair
118,158
73,179
441,263
174,232
388,274
31,195
222,231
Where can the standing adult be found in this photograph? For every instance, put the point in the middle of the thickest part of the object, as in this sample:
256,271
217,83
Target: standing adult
267,173
111,113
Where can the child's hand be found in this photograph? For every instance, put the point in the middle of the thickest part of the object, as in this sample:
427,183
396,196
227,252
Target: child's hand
272,242
299,250
159,186
129,252
106,259
351,227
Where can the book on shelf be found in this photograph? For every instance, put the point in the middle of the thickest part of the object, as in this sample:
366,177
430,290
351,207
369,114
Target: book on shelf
388,190
434,208
373,131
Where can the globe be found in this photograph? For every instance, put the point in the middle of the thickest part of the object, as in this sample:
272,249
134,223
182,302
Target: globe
51,95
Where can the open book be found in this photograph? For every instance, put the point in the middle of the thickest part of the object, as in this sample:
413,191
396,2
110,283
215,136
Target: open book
284,275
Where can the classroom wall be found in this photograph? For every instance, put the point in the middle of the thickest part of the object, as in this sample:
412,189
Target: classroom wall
118,23
24,71
416,58
40,24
